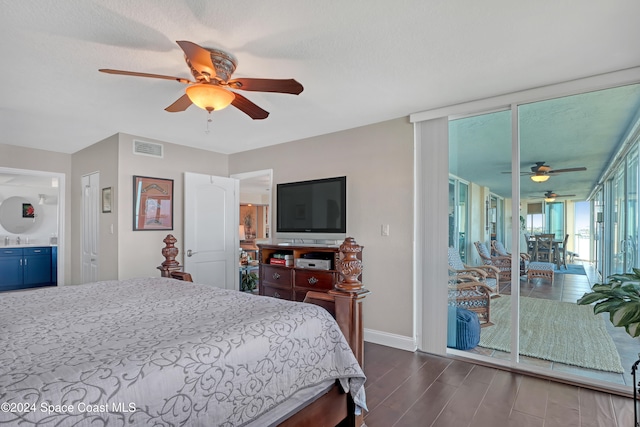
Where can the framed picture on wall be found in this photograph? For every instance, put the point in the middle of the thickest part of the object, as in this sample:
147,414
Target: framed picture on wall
106,200
152,203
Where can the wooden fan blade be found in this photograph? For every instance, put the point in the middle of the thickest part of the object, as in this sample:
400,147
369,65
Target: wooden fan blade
136,74
249,108
267,85
181,104
568,170
199,58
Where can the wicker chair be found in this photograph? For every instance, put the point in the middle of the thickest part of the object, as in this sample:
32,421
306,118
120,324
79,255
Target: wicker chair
488,275
502,263
498,249
468,288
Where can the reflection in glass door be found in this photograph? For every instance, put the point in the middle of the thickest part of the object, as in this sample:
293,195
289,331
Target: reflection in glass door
458,205
618,226
631,244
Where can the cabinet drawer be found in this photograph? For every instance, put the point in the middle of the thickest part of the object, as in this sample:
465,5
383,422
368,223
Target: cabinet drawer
279,276
37,251
11,252
313,279
277,292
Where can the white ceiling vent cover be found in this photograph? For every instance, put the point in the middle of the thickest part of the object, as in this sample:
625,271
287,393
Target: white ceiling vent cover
144,148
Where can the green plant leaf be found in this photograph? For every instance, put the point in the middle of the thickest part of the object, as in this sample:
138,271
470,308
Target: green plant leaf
589,298
633,329
608,306
601,288
626,314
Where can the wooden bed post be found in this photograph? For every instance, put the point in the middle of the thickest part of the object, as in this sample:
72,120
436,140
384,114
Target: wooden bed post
170,267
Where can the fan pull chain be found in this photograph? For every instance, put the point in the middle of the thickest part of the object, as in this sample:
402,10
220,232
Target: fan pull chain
209,120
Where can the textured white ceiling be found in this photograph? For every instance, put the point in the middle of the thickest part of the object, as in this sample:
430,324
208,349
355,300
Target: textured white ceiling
359,61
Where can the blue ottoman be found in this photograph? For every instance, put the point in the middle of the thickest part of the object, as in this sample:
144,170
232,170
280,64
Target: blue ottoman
463,329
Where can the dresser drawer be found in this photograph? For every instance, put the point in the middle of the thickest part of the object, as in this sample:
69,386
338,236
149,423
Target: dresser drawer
313,279
275,275
277,292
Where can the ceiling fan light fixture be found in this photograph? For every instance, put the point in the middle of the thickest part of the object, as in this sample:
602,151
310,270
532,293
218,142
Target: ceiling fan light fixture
539,178
210,97
549,199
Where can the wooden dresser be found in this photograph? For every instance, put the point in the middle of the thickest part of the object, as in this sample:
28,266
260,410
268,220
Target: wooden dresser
293,281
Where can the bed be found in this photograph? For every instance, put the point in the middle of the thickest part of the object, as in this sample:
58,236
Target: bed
162,351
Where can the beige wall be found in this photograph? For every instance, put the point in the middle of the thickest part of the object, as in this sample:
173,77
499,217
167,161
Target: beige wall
12,156
101,157
139,252
378,163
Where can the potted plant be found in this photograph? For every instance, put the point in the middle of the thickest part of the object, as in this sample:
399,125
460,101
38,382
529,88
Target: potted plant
249,282
620,297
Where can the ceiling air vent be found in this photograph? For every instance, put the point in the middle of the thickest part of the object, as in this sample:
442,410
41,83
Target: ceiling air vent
147,149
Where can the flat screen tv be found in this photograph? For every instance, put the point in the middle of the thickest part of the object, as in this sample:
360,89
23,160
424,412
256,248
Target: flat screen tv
314,209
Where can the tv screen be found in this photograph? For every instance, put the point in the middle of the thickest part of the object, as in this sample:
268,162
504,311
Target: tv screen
317,206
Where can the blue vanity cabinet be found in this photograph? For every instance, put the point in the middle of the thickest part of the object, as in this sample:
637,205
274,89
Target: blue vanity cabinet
37,266
22,268
10,269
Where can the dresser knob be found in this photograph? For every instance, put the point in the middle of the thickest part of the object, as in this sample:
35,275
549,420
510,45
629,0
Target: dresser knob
276,276
276,294
312,280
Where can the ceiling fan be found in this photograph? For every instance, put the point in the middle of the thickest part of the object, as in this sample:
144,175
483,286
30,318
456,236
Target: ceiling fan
541,172
211,90
550,196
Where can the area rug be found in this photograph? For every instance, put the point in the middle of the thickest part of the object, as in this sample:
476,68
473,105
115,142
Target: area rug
571,269
552,330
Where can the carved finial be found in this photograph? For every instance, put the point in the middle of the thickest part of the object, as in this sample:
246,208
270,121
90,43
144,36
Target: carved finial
170,252
349,266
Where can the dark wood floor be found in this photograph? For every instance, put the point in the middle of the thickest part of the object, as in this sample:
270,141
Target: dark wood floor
417,389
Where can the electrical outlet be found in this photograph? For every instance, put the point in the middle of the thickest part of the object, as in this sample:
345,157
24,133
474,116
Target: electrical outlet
385,229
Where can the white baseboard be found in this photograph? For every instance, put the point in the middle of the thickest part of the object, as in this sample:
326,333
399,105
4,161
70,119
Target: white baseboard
390,340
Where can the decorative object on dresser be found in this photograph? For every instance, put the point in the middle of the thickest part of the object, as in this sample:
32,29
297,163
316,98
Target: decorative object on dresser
293,280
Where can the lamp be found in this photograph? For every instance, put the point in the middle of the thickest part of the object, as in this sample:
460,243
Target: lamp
241,233
549,199
210,97
539,178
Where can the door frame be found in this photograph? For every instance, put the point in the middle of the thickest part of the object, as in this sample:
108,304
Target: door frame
431,188
61,195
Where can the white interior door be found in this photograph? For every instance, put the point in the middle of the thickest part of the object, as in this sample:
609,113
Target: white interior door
211,229
90,226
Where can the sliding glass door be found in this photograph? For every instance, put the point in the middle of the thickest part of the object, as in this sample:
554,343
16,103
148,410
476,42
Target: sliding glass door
550,137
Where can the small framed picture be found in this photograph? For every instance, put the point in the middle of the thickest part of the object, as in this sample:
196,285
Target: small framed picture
28,211
152,203
106,200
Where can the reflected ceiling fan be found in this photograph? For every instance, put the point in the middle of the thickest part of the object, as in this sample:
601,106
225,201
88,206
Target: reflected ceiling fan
211,90
541,172
550,196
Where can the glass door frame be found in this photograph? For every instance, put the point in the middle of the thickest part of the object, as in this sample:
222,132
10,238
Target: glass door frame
431,151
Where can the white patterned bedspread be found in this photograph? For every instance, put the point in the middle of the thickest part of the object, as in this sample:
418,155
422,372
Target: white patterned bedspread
160,352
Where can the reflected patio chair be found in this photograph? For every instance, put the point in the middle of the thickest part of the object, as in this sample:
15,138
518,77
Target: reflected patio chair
486,275
465,291
502,263
562,251
544,248
498,249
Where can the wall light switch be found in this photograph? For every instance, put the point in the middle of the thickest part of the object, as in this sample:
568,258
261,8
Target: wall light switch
385,229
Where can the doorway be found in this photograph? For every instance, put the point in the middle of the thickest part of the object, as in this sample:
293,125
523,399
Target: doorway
45,191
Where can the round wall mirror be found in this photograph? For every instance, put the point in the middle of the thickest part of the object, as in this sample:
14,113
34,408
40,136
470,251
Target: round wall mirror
17,215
